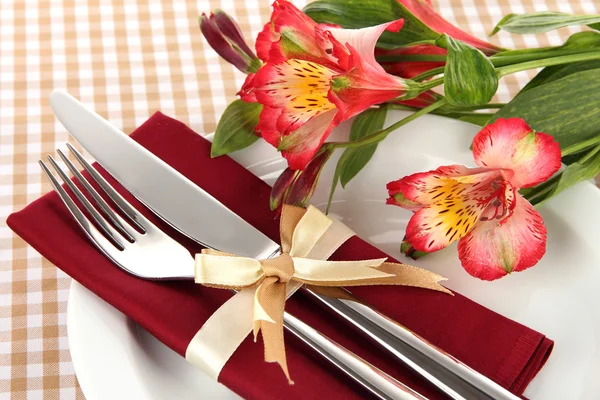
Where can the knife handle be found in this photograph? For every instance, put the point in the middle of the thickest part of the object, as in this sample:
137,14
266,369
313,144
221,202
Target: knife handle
380,384
448,374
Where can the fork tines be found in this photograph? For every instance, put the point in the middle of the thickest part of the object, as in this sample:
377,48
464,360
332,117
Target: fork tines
106,223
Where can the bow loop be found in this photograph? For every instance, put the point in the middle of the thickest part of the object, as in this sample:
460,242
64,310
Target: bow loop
304,233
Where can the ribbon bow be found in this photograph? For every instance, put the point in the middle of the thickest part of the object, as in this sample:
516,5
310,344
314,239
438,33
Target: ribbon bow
302,231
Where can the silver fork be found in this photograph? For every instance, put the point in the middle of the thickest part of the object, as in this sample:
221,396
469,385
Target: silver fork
137,246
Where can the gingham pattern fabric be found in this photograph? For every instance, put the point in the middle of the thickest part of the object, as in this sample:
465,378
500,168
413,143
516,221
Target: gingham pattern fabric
127,59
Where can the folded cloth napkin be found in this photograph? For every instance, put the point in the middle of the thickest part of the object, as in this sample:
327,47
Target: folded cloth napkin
507,352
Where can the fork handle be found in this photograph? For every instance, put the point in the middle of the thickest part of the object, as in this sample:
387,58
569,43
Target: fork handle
370,377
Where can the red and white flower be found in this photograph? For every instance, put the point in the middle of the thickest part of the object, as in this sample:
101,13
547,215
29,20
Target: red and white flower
314,77
498,230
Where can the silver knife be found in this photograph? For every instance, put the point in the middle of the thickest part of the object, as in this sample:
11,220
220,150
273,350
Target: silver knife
187,208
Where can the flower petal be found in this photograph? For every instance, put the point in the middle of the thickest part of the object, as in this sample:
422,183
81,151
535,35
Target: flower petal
365,39
435,227
398,199
452,205
363,86
246,93
512,144
299,88
493,249
427,187
300,146
292,34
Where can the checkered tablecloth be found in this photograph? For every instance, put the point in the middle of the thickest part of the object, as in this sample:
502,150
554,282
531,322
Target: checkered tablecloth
127,59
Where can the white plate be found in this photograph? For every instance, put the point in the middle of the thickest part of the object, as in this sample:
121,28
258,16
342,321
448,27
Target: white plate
115,359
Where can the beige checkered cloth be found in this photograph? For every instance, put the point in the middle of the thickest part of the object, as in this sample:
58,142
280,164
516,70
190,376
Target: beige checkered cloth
127,59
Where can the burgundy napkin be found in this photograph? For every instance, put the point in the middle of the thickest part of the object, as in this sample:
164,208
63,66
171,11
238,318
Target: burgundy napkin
507,352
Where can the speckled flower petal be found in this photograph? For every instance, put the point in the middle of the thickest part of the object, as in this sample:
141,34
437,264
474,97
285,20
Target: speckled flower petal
494,249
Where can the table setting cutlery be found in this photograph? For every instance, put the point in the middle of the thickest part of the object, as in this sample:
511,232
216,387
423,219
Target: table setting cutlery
385,331
136,251
444,371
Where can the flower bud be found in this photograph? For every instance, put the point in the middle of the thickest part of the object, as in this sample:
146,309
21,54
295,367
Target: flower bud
231,30
409,251
281,187
224,35
304,186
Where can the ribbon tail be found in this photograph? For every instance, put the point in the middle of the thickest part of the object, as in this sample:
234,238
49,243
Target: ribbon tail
407,275
271,297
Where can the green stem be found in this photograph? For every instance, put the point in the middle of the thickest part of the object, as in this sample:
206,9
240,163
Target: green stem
481,107
379,135
412,57
500,60
431,84
577,147
456,114
462,111
546,62
429,74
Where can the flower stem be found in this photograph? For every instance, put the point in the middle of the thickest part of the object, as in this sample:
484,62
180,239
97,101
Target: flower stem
428,74
521,56
412,57
431,84
379,135
481,107
499,60
547,62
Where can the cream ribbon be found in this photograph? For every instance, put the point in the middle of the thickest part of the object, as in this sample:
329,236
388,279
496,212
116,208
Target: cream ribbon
308,238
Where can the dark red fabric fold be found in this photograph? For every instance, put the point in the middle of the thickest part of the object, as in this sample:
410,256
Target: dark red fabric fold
507,352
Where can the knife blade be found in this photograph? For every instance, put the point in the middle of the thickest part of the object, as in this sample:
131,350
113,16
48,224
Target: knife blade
123,158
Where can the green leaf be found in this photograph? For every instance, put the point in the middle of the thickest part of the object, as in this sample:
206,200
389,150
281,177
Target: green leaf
353,14
564,108
586,167
551,74
469,76
544,21
354,159
235,130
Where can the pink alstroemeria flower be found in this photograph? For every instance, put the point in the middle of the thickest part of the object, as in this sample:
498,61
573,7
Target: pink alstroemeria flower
314,77
498,230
